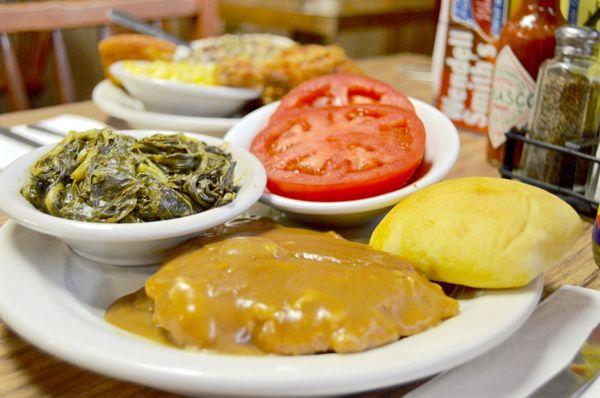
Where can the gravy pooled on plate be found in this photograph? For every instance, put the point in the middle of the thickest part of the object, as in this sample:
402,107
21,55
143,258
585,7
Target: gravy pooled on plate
256,288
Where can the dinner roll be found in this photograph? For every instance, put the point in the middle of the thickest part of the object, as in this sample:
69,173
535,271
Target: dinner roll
132,46
480,232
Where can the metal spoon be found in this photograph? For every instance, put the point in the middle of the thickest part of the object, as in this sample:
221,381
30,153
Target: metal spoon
129,21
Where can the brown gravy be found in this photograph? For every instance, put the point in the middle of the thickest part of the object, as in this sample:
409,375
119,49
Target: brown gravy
259,288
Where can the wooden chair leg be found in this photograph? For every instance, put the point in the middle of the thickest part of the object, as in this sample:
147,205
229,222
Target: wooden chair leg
31,49
17,95
208,22
64,76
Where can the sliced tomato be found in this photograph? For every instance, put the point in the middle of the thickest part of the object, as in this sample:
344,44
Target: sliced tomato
340,90
341,153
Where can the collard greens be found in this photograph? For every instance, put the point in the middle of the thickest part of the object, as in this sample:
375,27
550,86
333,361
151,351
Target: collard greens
102,176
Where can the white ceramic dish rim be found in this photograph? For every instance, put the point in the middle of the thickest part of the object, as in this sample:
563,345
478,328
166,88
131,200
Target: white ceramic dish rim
176,370
367,204
25,214
126,113
117,69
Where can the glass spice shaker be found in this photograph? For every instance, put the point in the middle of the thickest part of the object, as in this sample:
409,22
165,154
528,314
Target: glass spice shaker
565,92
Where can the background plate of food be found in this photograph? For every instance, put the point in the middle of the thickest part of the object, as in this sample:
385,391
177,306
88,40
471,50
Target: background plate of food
201,91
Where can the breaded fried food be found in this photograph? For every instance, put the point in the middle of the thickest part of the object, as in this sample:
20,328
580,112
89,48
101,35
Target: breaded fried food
300,63
249,46
241,72
133,47
241,58
285,70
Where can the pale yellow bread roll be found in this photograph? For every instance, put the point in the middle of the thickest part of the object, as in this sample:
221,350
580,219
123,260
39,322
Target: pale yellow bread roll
480,232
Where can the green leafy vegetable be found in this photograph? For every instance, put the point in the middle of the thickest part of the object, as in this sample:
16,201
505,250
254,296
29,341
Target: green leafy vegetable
102,176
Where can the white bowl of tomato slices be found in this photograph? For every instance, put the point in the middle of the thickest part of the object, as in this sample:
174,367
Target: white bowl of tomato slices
343,149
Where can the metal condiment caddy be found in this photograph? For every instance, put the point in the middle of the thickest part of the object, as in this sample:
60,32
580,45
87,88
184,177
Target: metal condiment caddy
572,153
556,150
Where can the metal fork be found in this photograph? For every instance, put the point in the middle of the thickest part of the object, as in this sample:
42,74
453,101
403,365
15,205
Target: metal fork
6,132
39,127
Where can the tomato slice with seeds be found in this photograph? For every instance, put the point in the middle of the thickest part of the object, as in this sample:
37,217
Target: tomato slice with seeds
340,90
341,153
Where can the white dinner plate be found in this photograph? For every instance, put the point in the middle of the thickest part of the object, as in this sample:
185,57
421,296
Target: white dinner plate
116,102
56,300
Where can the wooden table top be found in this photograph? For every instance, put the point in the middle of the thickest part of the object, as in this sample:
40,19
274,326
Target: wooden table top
25,371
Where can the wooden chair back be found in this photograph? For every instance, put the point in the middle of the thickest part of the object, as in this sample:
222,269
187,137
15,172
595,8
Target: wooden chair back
54,16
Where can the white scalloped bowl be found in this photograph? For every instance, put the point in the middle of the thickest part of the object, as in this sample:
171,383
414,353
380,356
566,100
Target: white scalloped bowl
441,151
178,98
135,243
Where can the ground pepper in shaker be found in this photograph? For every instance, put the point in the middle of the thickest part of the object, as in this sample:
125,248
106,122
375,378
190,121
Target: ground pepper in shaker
565,92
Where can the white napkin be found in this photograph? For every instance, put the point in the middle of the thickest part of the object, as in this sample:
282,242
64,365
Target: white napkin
536,352
10,149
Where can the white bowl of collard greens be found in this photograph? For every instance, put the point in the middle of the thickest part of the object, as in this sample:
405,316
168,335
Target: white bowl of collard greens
135,238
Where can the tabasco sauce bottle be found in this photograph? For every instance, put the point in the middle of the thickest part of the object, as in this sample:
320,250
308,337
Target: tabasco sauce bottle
527,39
